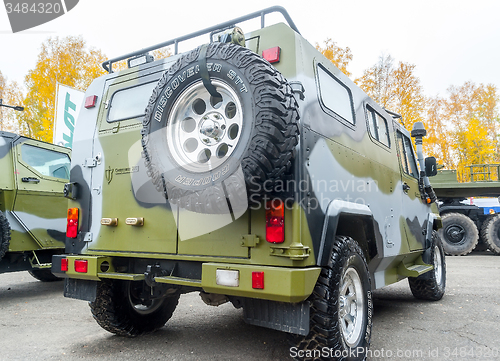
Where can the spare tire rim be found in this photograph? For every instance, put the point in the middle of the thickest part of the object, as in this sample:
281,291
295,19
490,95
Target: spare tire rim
351,307
203,131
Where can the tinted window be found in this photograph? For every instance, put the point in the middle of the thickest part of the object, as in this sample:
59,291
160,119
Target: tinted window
130,102
378,126
406,156
335,96
46,162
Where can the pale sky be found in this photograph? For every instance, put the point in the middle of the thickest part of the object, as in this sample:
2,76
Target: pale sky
450,42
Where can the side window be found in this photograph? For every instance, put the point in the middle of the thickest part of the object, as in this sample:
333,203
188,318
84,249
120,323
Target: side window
335,96
378,126
406,156
130,102
46,162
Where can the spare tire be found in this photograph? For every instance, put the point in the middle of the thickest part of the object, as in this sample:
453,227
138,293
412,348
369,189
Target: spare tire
4,235
203,149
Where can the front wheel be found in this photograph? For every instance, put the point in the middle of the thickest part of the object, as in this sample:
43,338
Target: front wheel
120,309
431,285
341,308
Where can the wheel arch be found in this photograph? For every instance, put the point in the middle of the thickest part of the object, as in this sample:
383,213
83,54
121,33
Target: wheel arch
348,219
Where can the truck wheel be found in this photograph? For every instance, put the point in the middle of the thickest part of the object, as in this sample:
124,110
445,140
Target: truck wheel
490,232
4,235
431,285
459,234
341,306
201,149
44,275
119,310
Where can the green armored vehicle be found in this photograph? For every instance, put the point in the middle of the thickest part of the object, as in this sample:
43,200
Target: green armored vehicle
468,226
255,172
32,204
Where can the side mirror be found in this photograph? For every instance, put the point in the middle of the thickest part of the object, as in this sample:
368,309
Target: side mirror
430,166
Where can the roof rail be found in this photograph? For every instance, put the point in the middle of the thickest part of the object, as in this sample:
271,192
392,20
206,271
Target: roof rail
108,64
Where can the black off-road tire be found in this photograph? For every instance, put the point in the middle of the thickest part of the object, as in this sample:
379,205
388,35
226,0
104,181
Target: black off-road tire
431,285
481,244
490,232
265,141
326,313
114,312
44,275
459,234
4,235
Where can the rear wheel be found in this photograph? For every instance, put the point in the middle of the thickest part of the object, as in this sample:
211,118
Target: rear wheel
341,308
431,285
490,232
459,234
44,275
120,309
4,235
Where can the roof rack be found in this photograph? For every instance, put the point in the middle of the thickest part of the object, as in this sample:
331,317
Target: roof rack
108,64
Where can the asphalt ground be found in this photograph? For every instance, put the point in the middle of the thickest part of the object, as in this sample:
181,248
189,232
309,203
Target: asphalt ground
38,323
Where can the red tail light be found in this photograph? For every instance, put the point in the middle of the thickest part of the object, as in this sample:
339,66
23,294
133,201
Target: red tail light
90,101
272,55
81,266
64,264
275,221
72,225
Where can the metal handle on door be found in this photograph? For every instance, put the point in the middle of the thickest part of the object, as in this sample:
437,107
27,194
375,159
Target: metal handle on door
30,179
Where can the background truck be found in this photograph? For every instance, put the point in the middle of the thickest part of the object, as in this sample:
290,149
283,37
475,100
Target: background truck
468,225
253,171
32,204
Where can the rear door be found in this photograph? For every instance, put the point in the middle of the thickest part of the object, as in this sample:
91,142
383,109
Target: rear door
41,170
121,188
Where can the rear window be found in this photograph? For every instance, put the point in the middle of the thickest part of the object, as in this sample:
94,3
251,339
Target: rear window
335,96
130,102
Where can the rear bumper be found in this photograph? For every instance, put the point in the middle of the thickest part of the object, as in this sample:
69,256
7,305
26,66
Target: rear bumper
283,284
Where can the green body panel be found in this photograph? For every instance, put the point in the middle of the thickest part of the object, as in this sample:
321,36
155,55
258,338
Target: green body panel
281,284
158,234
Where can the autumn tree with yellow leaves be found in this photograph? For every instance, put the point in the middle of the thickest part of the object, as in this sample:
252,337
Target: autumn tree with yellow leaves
396,88
10,94
66,61
339,56
471,129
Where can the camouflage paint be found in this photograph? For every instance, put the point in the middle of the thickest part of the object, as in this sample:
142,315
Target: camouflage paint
364,180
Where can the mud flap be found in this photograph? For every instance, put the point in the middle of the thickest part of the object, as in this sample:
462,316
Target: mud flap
286,317
80,289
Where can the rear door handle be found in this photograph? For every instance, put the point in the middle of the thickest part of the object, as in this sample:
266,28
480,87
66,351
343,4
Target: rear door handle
30,179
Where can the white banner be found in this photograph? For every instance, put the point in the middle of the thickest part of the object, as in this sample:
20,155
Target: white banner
68,104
